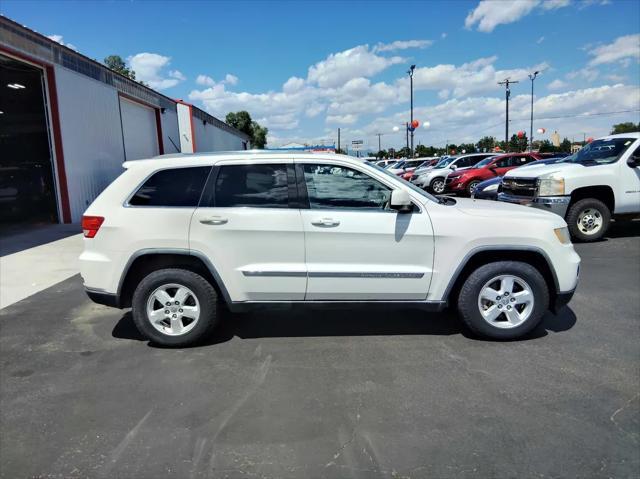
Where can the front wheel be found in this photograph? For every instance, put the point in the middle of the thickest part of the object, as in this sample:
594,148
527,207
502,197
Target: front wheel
588,220
437,186
472,186
175,307
503,300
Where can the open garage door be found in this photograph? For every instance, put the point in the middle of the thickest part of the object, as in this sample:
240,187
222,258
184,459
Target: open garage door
27,188
139,130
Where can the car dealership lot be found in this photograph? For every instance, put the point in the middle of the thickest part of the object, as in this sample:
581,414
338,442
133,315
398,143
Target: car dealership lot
328,394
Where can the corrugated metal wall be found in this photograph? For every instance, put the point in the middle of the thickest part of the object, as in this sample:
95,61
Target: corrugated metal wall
170,132
211,138
139,130
91,136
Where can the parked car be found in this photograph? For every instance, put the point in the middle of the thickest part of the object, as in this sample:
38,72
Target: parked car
434,180
385,163
173,238
489,189
587,188
465,181
405,166
424,167
411,172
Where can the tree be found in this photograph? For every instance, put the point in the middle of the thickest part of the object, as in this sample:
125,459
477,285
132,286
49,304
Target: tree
486,143
467,147
242,121
626,127
565,146
518,144
116,63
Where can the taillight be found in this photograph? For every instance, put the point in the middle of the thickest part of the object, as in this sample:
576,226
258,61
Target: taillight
91,225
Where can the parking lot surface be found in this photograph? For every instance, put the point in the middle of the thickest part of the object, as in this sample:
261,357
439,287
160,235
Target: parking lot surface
328,394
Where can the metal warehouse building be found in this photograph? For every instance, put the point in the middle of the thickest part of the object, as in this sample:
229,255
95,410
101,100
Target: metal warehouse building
67,123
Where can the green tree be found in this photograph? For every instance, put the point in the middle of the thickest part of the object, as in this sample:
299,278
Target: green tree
565,146
116,63
403,152
626,127
241,120
518,144
467,147
545,146
486,143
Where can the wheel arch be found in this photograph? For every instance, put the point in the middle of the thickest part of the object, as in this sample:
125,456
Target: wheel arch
603,193
145,261
477,257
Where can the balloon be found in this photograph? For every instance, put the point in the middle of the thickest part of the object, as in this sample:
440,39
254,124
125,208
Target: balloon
590,139
426,124
415,124
521,134
497,148
411,128
541,130
396,128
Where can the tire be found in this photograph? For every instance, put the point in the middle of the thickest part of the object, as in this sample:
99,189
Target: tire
180,327
437,186
500,323
588,220
471,186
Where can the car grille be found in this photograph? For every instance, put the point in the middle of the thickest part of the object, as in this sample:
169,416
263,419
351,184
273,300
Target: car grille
519,186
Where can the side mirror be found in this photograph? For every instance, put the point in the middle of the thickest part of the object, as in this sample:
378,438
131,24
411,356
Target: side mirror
453,167
634,160
401,201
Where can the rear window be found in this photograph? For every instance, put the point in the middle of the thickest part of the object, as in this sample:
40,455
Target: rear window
173,187
258,186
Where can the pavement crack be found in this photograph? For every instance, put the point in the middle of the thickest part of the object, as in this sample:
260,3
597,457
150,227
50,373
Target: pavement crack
618,411
354,430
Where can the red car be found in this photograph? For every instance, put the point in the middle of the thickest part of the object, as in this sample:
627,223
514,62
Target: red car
465,181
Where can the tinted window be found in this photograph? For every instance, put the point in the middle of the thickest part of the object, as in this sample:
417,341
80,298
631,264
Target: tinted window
331,187
174,187
503,163
263,186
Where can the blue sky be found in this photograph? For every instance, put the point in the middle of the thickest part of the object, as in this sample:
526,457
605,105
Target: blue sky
306,68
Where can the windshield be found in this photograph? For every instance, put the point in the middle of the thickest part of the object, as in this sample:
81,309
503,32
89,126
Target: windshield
601,152
398,164
484,162
444,163
420,191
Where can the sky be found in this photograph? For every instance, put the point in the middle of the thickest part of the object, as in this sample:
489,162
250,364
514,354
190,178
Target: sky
305,69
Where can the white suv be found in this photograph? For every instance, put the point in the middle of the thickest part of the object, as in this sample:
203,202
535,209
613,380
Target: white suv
175,237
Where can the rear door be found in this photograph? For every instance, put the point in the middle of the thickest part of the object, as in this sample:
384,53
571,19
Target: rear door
357,248
250,229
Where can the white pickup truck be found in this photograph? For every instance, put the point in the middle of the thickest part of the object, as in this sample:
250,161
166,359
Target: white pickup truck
587,189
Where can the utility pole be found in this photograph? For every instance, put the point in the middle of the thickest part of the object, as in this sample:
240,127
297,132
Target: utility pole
532,78
506,83
379,144
338,139
410,72
407,128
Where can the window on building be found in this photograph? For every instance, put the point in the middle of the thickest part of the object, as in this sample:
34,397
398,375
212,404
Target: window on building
330,187
172,187
258,186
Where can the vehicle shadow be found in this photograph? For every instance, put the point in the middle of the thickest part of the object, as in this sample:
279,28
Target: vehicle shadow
303,322
624,229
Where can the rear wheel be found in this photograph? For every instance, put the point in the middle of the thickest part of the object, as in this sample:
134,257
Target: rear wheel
175,307
588,220
503,300
437,186
472,186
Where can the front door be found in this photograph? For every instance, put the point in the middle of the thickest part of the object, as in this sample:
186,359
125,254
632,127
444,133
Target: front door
248,231
356,247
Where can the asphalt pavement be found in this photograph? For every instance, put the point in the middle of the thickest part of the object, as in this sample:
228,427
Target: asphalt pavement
300,393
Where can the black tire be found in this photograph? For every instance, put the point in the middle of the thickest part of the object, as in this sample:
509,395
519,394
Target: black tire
471,186
470,292
435,184
201,288
573,217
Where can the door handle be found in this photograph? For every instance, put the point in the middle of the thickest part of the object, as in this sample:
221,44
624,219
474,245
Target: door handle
325,222
214,220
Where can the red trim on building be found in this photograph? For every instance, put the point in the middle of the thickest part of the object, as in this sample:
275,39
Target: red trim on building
55,128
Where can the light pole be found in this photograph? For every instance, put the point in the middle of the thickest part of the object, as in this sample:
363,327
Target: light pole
410,72
379,144
506,83
532,78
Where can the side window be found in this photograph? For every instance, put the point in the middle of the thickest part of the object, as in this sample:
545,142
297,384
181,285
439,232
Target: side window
330,187
523,160
504,162
172,187
258,186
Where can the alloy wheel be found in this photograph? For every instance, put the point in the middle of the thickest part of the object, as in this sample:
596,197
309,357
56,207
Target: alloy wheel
173,309
506,301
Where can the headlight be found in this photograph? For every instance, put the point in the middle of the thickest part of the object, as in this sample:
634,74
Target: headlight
493,187
550,186
563,235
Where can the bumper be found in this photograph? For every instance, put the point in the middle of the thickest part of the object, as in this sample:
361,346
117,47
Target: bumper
102,297
554,204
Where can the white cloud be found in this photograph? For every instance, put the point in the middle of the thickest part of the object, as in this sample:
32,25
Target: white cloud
59,39
623,48
540,40
342,119
443,35
205,80
587,74
557,84
402,45
293,85
149,69
491,13
339,68
230,79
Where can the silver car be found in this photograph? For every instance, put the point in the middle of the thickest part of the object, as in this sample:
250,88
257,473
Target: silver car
434,179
